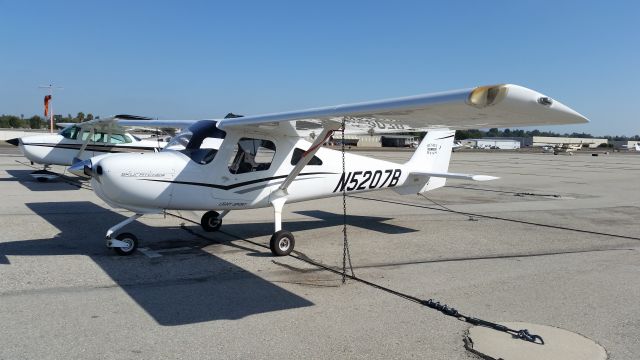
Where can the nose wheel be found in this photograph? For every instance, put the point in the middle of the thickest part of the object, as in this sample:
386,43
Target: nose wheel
128,244
282,243
211,221
124,243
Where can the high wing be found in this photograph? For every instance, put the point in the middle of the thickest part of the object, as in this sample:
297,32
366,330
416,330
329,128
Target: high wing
302,127
124,121
504,105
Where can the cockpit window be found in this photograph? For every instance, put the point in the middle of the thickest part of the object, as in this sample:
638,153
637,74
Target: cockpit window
297,155
70,132
252,155
200,141
96,137
118,139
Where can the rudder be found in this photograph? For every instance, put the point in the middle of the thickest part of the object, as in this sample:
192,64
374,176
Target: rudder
432,155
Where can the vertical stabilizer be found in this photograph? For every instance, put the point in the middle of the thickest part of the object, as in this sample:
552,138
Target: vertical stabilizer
432,155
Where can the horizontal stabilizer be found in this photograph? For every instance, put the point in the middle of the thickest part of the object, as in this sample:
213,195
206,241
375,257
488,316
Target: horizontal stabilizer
448,175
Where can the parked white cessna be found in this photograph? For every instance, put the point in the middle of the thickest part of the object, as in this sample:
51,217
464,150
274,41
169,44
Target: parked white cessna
76,141
261,161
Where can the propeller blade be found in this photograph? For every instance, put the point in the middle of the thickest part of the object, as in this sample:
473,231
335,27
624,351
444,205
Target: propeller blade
81,168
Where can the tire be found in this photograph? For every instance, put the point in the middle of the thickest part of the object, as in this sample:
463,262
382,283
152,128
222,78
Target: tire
282,243
210,221
131,240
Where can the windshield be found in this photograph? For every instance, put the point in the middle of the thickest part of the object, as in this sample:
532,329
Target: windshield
70,132
200,141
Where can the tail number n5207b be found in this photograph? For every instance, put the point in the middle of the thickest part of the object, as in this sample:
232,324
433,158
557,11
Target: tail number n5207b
363,180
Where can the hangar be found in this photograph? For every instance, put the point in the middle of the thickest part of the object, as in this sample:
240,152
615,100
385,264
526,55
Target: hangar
494,143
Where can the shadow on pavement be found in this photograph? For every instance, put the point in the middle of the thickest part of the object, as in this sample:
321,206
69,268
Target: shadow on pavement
174,291
23,177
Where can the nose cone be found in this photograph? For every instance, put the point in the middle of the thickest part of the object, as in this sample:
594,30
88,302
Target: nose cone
138,182
14,142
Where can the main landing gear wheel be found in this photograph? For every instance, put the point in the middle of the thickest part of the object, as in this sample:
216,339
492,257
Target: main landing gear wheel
282,243
211,221
131,241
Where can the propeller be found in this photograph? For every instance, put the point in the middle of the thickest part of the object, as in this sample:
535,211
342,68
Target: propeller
82,168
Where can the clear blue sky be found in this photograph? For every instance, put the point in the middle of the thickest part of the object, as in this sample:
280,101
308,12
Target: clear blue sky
195,59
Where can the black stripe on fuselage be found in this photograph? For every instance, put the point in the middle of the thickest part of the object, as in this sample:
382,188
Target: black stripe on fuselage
91,147
236,185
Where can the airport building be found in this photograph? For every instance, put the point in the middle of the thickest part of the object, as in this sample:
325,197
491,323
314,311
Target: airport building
488,142
559,141
492,143
625,145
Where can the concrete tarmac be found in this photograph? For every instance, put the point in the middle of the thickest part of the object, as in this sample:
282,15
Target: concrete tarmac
554,242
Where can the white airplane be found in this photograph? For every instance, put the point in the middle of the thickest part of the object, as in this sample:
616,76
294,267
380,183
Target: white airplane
566,149
635,147
77,142
260,161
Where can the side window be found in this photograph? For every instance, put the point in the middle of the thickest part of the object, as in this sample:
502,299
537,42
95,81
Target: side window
252,155
97,137
118,139
297,155
70,133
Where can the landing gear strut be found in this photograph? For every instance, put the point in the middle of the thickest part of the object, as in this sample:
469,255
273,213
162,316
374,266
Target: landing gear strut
125,243
282,241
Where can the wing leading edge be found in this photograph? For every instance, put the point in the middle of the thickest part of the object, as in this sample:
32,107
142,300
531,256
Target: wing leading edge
504,105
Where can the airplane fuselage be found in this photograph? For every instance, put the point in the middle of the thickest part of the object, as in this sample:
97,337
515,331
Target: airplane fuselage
152,182
61,149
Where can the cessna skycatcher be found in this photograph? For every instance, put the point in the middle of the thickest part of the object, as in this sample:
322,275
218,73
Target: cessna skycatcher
260,161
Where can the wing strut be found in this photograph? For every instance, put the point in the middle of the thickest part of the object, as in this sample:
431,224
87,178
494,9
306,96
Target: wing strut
329,128
84,145
279,197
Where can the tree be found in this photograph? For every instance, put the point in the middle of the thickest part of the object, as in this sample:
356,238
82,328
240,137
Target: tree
89,116
80,117
4,121
35,122
14,121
